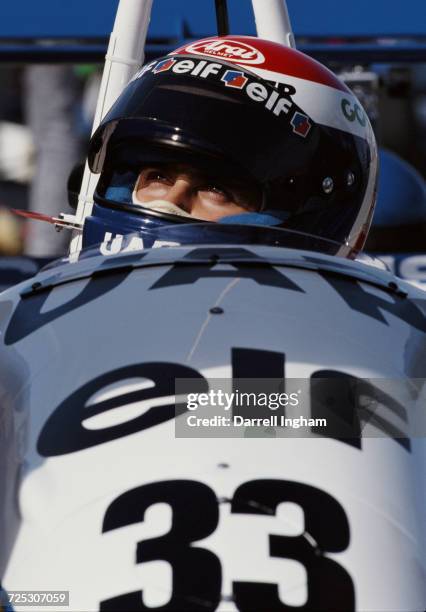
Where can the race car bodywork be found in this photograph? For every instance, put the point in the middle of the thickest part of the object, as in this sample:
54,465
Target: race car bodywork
115,494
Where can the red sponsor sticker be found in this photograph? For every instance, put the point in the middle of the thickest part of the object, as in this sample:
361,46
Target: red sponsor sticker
227,49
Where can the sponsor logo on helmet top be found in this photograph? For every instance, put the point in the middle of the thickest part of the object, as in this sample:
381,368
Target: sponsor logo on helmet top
301,124
277,101
231,50
233,78
164,65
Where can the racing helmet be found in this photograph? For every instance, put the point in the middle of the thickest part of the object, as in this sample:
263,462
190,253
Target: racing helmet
239,106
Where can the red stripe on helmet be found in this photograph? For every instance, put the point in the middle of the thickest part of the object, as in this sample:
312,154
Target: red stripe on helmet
252,52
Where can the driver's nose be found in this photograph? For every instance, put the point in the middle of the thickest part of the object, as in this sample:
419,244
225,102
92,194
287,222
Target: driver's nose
181,194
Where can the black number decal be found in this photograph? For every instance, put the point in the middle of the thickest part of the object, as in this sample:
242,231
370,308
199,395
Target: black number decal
197,573
329,585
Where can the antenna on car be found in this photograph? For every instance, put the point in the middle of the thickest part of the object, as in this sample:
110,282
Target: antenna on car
222,17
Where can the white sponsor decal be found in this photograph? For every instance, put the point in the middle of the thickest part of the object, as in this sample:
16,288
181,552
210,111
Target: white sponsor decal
124,244
273,101
322,103
232,50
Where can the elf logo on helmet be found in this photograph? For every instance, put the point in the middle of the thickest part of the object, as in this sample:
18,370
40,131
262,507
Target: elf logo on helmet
228,49
353,112
272,99
164,65
233,78
301,124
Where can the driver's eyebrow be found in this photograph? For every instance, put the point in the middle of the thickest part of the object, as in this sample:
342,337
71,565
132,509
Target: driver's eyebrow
199,176
175,171
192,173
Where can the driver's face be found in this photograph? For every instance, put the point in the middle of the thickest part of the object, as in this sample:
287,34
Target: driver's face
202,196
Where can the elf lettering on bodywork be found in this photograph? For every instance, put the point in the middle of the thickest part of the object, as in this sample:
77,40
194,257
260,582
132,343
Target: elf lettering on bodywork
346,402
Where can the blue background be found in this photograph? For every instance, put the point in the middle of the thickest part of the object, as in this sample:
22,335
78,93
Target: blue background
195,18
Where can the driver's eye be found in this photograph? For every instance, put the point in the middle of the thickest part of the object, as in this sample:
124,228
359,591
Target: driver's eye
216,191
157,176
